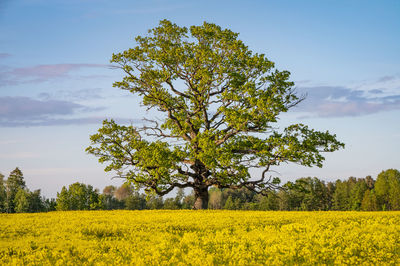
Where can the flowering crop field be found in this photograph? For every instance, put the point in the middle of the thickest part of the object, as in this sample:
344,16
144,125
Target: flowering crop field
200,238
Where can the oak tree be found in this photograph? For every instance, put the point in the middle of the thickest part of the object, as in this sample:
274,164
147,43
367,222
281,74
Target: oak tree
218,105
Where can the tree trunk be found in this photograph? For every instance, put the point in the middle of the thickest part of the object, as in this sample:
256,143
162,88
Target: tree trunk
200,198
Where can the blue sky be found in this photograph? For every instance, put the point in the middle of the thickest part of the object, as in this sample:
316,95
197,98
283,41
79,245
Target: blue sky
56,81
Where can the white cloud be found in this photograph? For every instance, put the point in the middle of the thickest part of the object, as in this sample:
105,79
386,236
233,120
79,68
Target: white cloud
41,73
386,86
376,96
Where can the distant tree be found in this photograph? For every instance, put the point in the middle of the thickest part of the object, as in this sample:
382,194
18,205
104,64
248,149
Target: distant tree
175,203
123,192
322,193
109,200
357,193
21,201
188,201
3,194
229,204
370,182
284,200
180,195
340,200
154,202
238,196
78,196
27,201
95,202
312,194
49,204
267,203
135,201
36,201
330,187
219,102
369,202
109,190
292,195
351,184
63,201
247,206
170,204
387,188
14,183
215,199
382,191
394,190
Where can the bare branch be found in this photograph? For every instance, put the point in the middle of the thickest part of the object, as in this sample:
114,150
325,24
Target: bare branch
261,186
220,91
162,192
168,81
157,131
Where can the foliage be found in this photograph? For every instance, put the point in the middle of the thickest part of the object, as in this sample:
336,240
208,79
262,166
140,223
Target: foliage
229,204
123,192
78,196
14,183
15,196
340,196
219,102
305,194
369,202
3,194
21,201
154,202
49,204
387,188
200,238
135,201
215,199
308,193
36,202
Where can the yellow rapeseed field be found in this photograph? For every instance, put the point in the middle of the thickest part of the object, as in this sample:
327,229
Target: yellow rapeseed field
200,238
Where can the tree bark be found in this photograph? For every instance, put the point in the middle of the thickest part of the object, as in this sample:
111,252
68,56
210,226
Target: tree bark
201,198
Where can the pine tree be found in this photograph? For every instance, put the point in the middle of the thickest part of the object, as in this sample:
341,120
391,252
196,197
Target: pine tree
14,183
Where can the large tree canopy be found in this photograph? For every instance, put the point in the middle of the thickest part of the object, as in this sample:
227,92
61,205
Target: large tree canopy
220,103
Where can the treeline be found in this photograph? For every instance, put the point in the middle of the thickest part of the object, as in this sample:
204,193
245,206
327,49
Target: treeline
313,194
308,194
16,197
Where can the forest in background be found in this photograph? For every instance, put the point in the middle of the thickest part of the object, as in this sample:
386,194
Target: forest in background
304,194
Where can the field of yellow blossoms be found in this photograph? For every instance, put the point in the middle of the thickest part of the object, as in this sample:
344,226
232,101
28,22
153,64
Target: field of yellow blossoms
200,238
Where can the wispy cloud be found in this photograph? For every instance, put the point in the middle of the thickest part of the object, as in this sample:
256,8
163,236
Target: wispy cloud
25,111
73,95
4,55
41,73
389,84
29,112
67,122
51,122
380,95
21,107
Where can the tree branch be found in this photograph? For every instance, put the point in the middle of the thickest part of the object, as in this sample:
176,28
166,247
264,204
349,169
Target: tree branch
162,192
168,81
